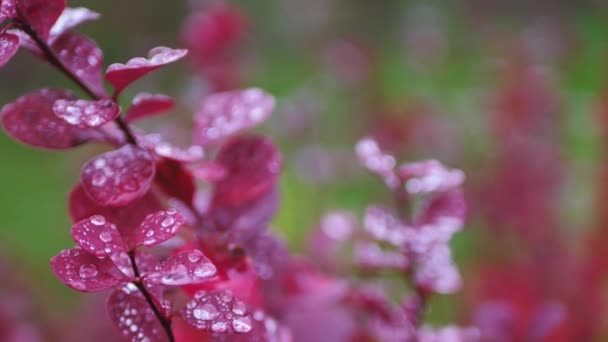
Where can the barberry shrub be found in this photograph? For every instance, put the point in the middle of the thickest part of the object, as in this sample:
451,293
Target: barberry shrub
179,270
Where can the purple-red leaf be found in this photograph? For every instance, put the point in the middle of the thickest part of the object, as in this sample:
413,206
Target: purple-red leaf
146,105
121,75
243,221
187,267
83,58
374,159
41,15
119,177
83,113
224,114
429,176
218,312
252,164
30,120
158,144
70,18
175,180
158,227
85,272
98,236
7,9
9,44
132,315
128,218
384,226
209,171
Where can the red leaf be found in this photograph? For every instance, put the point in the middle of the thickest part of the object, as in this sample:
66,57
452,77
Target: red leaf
157,144
121,75
71,18
98,236
218,312
133,317
84,272
119,177
374,159
83,58
209,171
158,228
187,267
429,176
146,105
7,9
175,180
224,114
243,221
252,163
127,218
83,113
384,226
9,45
30,120
41,15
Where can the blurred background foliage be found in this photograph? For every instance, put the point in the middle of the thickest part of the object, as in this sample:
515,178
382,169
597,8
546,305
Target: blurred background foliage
442,58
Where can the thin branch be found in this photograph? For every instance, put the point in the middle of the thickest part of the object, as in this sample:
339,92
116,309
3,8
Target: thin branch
52,58
164,321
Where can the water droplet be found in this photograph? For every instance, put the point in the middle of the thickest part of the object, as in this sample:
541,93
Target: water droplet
204,270
87,271
227,296
219,327
195,255
239,308
105,236
99,179
149,233
242,324
205,312
167,221
98,220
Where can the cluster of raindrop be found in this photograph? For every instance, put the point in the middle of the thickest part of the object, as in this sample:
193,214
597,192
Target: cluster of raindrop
218,312
224,114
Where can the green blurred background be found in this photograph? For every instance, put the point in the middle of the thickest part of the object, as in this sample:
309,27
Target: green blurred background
285,57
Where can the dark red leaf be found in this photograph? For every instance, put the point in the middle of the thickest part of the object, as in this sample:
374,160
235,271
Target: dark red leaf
30,120
97,236
448,205
119,177
127,218
252,164
158,228
133,317
82,57
218,312
41,15
187,267
83,113
121,75
71,18
241,222
224,114
9,44
175,180
146,105
84,272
